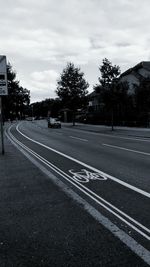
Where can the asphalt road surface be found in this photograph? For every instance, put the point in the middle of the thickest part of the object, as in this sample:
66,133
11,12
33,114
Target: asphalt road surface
109,173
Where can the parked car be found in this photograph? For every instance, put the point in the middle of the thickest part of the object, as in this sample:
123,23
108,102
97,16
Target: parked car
54,123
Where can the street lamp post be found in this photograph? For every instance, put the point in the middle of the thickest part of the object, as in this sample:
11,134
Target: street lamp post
32,111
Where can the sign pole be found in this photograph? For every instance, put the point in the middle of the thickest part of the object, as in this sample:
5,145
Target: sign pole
3,92
1,125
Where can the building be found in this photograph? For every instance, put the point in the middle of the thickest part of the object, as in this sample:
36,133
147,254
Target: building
128,113
95,106
133,75
94,101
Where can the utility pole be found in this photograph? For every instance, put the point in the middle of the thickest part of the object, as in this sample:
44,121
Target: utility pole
3,92
32,112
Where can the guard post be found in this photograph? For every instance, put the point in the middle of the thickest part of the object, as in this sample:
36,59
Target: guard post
3,92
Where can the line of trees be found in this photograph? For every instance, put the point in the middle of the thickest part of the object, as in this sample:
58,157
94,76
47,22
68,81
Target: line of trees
117,106
72,95
16,104
42,108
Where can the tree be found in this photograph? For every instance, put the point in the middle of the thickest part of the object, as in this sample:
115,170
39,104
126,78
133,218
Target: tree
109,81
18,99
72,88
109,73
41,109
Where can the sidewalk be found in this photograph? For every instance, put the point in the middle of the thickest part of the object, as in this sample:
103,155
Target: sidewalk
41,226
102,129
128,131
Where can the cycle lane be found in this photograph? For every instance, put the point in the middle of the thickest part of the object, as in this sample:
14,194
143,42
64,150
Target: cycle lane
42,226
117,200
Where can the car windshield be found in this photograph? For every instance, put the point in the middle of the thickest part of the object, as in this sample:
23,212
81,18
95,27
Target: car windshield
52,120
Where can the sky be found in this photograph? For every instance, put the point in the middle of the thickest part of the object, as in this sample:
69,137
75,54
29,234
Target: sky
39,38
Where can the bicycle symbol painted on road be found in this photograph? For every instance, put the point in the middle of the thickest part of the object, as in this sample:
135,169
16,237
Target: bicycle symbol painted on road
84,176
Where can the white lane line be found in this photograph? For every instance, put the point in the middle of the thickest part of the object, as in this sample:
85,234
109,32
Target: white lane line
74,137
57,133
81,185
144,193
144,139
88,192
125,238
127,149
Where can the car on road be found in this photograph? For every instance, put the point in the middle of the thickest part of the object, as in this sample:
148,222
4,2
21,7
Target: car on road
54,123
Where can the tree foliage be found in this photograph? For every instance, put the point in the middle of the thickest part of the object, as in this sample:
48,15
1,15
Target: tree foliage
112,95
18,99
109,81
109,74
72,87
41,109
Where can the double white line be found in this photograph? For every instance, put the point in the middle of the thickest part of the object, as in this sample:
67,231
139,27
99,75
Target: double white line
138,227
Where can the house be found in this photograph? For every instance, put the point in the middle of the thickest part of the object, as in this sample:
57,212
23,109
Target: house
133,75
93,102
95,106
96,110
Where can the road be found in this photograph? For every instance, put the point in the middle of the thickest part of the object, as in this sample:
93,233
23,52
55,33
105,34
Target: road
111,173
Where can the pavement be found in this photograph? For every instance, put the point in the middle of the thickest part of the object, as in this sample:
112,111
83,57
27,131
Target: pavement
42,226
118,130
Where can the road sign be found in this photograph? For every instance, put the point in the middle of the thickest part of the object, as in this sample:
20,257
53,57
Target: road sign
3,76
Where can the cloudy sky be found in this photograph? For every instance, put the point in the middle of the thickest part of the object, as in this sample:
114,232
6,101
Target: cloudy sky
39,37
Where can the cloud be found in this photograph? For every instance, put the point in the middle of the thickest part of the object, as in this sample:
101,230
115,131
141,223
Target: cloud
40,37
47,75
44,84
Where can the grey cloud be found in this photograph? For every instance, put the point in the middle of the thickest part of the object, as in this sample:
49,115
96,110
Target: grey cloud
123,44
44,35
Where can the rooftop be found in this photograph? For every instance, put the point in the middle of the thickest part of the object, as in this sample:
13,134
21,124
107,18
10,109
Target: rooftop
143,64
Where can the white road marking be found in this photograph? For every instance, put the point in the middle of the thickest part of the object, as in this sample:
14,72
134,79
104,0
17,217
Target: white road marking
57,133
125,238
146,194
88,192
81,139
144,139
84,176
127,149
